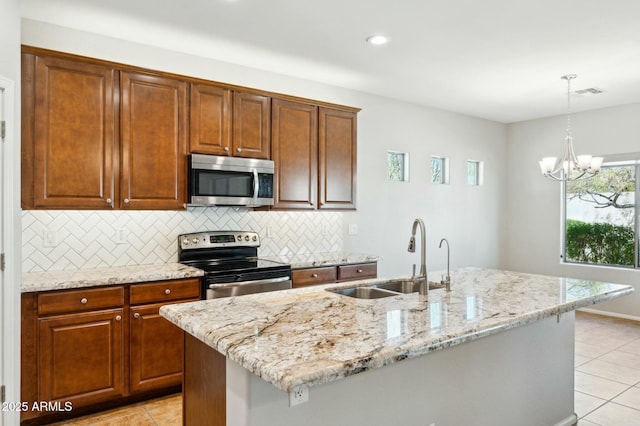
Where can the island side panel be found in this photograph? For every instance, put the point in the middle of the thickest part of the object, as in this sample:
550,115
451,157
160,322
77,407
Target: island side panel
203,385
522,376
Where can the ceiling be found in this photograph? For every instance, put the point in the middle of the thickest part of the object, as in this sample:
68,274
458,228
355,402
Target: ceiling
496,59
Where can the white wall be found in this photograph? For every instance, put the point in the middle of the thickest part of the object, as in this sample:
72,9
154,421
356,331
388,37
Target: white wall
10,301
532,238
469,217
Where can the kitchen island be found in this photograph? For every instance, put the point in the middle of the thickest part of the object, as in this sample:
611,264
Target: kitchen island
508,360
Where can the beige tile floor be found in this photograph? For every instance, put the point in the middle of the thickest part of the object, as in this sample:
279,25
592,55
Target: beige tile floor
607,371
165,411
607,381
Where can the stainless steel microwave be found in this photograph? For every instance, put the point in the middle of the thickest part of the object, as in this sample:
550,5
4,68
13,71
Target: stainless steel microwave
230,181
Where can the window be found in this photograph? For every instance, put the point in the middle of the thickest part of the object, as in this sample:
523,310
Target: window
474,172
600,215
439,170
398,166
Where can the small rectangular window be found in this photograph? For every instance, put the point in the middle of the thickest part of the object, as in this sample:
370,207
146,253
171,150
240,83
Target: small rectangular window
474,172
439,170
398,166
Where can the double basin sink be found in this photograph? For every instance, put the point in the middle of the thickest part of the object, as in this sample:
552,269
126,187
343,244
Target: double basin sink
384,289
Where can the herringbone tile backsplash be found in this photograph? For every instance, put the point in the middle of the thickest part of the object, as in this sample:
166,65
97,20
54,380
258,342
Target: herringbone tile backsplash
73,239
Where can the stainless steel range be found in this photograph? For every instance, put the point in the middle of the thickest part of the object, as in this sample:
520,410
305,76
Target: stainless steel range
231,263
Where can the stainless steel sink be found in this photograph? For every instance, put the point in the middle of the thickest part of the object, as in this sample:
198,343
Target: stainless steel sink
384,289
400,286
407,286
364,292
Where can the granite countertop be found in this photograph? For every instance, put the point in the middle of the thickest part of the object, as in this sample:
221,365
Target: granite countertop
80,278
309,260
306,337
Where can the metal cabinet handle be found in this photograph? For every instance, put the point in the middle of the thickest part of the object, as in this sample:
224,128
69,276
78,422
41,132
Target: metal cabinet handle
126,201
167,291
136,315
239,149
359,271
314,275
226,148
84,300
118,318
109,200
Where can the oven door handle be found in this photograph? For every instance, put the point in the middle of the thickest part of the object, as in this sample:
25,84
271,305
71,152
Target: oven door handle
238,283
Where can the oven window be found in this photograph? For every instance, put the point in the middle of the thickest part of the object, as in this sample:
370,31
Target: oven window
224,184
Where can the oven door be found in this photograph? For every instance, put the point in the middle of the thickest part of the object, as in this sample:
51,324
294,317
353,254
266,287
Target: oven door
240,288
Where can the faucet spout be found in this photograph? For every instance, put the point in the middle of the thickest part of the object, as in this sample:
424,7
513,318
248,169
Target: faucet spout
447,280
422,276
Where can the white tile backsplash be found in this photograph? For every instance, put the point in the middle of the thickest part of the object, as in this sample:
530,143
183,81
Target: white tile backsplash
90,239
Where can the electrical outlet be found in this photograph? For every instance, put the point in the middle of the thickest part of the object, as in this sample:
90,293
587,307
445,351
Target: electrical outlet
298,396
353,229
49,238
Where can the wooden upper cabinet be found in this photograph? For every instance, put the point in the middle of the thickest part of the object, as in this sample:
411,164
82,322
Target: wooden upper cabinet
73,138
337,159
210,119
294,150
154,144
251,124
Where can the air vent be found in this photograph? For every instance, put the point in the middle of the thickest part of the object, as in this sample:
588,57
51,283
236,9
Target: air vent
589,91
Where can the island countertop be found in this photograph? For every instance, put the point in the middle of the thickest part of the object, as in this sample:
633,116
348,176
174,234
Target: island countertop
307,337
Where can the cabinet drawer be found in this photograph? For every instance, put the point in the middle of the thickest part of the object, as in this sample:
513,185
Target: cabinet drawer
162,291
313,276
357,271
80,300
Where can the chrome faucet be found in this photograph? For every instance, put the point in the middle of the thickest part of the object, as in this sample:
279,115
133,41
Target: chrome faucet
422,277
446,280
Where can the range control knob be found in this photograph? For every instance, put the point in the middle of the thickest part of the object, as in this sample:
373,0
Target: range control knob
255,238
246,238
185,241
194,240
239,238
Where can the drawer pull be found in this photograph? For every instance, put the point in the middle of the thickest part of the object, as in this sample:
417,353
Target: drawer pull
84,300
118,318
167,291
359,271
109,201
126,201
314,275
136,315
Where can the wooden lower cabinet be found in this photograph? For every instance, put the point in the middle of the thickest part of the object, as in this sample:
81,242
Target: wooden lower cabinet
80,357
305,277
156,350
99,347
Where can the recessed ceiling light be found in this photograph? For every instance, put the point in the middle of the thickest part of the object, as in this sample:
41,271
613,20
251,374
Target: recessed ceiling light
377,39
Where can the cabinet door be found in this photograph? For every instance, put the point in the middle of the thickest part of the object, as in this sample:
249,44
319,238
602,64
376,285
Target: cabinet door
80,357
210,119
74,134
153,124
156,349
337,159
295,153
251,123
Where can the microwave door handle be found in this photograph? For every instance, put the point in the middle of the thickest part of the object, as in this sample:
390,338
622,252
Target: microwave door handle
256,185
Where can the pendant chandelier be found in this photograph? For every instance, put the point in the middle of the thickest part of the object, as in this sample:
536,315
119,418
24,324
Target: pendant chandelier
570,166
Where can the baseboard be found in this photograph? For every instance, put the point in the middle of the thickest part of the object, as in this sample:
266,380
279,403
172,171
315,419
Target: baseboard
609,314
572,420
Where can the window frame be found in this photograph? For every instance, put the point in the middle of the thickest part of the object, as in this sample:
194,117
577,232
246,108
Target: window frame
610,161
405,167
444,162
